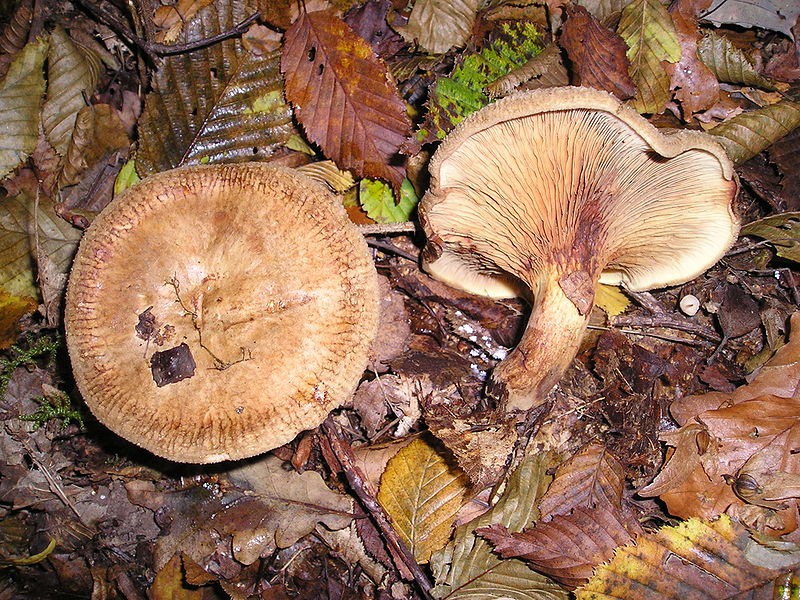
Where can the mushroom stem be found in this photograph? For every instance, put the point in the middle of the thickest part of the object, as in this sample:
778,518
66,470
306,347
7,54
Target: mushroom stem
551,339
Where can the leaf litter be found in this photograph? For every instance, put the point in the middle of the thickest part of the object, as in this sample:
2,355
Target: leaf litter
669,451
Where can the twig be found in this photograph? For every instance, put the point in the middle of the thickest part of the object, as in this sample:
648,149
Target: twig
392,249
384,228
666,338
366,495
669,322
171,49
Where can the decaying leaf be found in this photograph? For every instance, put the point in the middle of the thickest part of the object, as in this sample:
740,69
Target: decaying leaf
598,55
344,97
219,103
546,69
647,28
169,20
15,33
20,96
467,567
438,25
72,74
782,231
729,63
12,309
695,559
422,493
328,173
749,133
604,10
776,15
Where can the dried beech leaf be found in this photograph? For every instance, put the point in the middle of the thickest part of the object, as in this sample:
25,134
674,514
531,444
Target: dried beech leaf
57,241
438,25
570,546
219,103
689,450
647,28
468,569
20,97
729,63
749,133
15,34
72,74
422,493
782,231
169,20
597,54
604,10
344,97
695,559
589,477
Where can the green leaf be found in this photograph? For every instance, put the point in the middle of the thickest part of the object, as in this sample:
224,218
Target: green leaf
127,177
72,74
377,200
729,63
647,28
21,219
782,231
217,104
422,493
747,134
20,96
468,569
463,92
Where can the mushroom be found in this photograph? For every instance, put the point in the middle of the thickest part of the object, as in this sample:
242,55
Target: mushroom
546,193
215,312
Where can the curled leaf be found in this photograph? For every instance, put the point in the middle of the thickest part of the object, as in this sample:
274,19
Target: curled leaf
747,134
729,63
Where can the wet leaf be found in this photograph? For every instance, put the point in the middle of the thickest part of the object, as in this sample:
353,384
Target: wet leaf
169,20
72,74
729,63
422,493
219,103
467,567
782,231
647,28
344,97
597,54
377,200
695,559
20,97
438,25
775,15
169,584
747,134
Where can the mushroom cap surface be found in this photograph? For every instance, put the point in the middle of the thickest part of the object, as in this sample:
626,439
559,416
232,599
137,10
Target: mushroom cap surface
215,312
539,175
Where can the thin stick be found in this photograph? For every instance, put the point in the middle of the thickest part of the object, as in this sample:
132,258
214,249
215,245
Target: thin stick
366,495
668,322
666,338
385,228
171,49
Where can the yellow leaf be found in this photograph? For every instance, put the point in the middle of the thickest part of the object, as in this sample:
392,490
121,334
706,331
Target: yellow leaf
169,584
12,309
422,493
611,299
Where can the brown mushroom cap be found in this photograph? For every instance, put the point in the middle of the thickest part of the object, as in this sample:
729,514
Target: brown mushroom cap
549,191
215,312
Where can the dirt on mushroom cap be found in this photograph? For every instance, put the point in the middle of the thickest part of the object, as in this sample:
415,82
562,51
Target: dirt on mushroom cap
257,271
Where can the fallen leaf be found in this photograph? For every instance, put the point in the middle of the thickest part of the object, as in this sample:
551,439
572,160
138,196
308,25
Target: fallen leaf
20,96
546,69
15,33
467,568
597,54
695,559
782,231
344,97
422,493
438,25
72,75
775,15
377,200
370,21
169,584
604,10
12,309
611,300
747,134
169,20
218,103
647,28
729,63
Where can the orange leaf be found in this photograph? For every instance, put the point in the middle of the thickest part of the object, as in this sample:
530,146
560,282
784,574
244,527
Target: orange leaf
343,97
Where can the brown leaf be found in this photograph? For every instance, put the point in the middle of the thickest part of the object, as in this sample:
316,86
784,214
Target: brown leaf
589,477
15,34
691,443
12,309
569,547
696,87
343,96
597,54
546,69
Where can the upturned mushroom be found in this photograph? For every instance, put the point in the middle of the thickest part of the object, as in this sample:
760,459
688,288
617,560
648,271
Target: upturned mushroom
549,192
215,312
